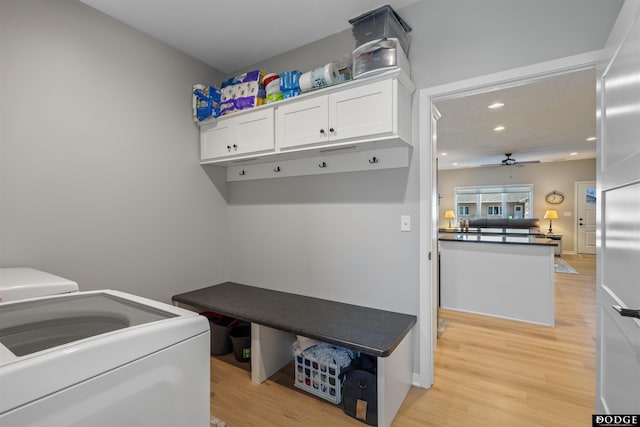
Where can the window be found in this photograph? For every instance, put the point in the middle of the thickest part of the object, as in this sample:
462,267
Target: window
507,201
494,210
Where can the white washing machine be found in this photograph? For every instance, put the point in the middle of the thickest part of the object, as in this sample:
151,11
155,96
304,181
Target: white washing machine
102,359
23,282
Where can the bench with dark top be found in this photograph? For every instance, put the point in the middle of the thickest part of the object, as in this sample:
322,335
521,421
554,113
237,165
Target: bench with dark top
277,317
371,331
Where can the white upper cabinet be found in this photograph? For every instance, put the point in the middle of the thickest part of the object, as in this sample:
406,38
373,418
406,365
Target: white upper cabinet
238,136
361,115
360,112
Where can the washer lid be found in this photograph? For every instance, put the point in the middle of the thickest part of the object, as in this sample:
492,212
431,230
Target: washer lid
21,282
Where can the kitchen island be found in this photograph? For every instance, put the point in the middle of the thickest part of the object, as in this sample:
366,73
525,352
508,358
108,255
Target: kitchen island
507,275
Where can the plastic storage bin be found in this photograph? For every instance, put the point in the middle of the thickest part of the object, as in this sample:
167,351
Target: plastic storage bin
320,380
381,23
378,56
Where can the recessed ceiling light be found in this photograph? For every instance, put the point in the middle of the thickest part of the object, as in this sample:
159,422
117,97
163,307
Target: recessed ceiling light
496,105
573,154
591,138
499,128
443,154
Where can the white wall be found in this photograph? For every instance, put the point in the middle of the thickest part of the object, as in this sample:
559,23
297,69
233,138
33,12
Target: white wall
100,180
545,177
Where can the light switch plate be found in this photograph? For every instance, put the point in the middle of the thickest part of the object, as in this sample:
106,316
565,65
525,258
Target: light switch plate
405,223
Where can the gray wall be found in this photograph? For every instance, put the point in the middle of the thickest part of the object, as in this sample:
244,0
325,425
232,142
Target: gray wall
338,236
99,158
545,177
100,180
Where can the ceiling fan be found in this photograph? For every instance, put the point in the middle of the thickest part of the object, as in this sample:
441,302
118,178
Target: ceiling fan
510,161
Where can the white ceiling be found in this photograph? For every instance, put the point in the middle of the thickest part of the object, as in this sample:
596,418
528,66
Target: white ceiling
546,121
233,34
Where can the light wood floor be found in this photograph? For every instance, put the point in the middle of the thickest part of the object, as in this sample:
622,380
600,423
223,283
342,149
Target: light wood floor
488,372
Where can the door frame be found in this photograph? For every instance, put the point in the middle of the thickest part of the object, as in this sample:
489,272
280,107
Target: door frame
428,207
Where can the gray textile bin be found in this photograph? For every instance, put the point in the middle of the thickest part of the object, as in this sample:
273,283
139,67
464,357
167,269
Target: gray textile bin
220,339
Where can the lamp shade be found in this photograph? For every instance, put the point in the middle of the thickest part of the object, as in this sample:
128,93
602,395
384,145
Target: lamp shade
449,214
551,214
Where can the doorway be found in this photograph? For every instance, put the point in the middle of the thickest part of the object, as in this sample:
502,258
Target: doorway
428,195
586,217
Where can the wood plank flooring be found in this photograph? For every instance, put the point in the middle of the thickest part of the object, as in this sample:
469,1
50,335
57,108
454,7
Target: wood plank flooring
488,372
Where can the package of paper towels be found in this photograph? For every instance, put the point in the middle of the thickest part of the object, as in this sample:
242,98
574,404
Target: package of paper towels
320,77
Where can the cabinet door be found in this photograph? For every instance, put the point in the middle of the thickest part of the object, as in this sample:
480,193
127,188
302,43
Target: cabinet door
362,111
303,123
238,135
254,132
217,141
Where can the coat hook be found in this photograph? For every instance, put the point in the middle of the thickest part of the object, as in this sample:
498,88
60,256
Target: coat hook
277,169
242,173
373,160
322,165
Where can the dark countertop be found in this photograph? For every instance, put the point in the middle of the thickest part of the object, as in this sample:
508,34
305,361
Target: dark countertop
510,239
368,330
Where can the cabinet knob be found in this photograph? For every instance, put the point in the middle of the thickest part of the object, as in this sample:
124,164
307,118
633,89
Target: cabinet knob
228,148
277,169
322,131
235,147
332,130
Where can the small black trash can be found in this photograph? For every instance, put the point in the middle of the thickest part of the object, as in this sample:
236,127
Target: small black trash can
241,340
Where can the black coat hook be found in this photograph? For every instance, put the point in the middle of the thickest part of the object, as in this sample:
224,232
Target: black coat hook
373,160
322,165
277,169
242,173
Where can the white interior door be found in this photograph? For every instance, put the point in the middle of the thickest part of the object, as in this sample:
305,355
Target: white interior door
618,207
586,201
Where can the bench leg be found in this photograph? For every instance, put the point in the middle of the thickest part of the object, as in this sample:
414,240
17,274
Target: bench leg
395,374
270,351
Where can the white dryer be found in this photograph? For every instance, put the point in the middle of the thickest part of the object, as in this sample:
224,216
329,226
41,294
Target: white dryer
102,359
23,282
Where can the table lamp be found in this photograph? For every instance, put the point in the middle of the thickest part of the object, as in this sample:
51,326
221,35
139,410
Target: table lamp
449,214
550,214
